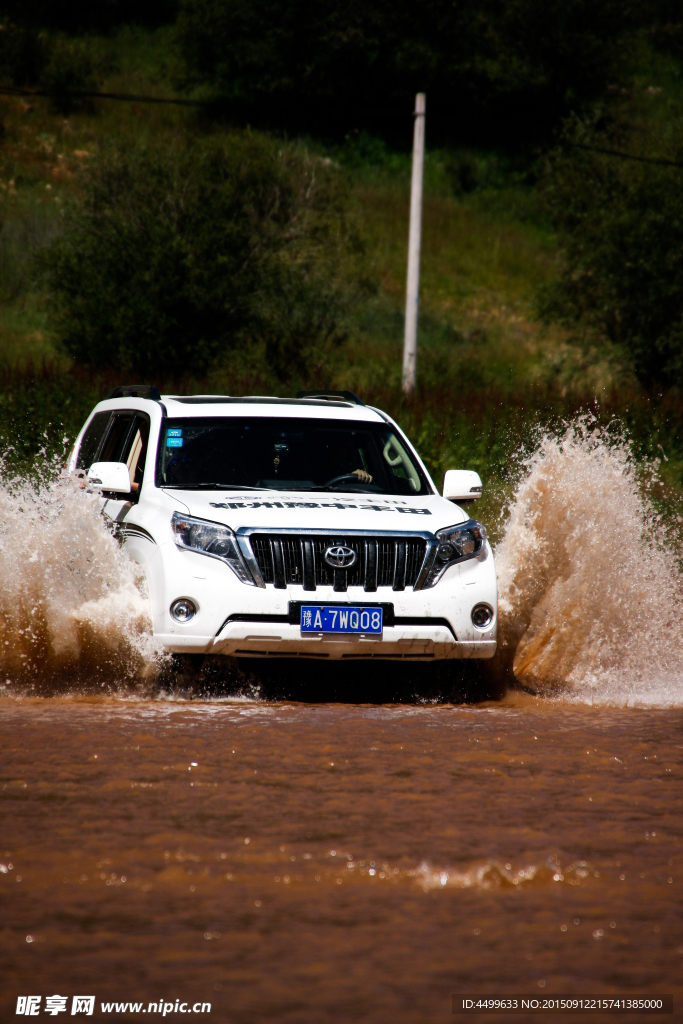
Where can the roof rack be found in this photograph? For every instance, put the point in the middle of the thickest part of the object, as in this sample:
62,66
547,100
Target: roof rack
344,396
137,391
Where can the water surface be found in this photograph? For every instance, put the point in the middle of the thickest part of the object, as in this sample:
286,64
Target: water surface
335,862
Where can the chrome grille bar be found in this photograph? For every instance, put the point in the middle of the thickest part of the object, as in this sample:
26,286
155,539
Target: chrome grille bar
285,557
308,560
371,565
340,581
278,564
400,566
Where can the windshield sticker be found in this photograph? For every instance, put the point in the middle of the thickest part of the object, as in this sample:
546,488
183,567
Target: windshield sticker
174,442
315,504
175,432
341,502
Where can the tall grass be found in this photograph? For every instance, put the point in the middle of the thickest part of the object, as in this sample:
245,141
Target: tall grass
43,406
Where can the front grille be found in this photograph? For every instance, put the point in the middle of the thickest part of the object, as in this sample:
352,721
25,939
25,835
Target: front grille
380,561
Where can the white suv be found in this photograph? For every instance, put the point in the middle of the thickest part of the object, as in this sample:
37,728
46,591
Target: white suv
285,527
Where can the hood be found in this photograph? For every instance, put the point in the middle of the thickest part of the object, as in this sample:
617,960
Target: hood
309,511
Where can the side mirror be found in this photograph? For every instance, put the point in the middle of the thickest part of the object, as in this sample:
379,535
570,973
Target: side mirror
110,476
462,486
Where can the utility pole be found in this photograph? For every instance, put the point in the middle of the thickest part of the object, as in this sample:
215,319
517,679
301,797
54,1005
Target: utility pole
414,243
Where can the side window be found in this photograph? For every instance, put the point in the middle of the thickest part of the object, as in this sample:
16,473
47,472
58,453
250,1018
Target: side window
117,438
92,439
135,451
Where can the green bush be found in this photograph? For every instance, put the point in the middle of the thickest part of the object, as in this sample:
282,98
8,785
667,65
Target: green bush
178,252
621,224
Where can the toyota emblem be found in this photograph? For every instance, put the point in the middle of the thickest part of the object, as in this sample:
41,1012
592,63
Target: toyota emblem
339,556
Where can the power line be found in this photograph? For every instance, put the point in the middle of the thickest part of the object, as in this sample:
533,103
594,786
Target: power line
9,91
627,156
214,100
178,101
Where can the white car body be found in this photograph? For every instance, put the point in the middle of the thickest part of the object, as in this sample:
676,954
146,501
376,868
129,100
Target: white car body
262,619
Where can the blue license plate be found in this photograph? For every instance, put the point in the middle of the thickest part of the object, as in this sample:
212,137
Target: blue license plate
316,618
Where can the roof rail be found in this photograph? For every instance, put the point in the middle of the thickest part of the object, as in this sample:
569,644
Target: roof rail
340,396
136,391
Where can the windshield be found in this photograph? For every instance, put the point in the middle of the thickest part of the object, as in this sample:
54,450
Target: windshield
286,454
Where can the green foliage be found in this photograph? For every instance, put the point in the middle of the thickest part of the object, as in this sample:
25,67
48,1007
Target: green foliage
181,250
317,64
622,228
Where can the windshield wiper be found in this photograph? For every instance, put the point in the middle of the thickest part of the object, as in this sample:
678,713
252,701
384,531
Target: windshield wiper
337,487
213,487
300,490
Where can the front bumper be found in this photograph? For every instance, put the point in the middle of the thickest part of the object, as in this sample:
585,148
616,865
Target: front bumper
243,621
282,640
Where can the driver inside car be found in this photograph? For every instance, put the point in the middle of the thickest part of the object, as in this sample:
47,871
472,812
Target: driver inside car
346,454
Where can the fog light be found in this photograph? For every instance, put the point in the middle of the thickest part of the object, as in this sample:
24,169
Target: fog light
482,616
183,610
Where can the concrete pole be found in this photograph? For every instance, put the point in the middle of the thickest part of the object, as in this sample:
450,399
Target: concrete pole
414,243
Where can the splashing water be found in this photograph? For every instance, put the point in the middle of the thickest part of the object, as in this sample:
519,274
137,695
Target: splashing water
72,610
591,599
590,594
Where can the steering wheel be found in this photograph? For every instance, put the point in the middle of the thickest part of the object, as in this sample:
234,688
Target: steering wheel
339,479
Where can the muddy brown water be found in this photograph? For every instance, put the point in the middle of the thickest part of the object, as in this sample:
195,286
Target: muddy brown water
368,858
338,862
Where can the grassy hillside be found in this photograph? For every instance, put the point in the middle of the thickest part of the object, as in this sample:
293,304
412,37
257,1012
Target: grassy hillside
488,370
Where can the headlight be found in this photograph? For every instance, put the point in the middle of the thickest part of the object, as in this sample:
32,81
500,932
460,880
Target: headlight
456,544
210,539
